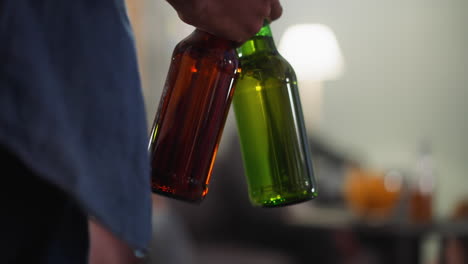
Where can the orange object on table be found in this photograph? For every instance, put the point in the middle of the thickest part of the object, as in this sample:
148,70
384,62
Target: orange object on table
367,195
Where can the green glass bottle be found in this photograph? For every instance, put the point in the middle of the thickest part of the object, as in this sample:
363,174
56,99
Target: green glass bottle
270,122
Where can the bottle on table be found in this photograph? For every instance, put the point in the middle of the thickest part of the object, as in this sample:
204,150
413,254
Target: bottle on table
423,188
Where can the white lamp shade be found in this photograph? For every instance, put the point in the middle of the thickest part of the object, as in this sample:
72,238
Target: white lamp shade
313,51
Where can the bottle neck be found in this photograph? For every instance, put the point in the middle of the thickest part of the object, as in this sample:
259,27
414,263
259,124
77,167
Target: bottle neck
261,42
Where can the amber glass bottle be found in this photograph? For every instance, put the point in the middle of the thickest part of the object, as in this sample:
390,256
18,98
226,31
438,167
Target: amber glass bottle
191,116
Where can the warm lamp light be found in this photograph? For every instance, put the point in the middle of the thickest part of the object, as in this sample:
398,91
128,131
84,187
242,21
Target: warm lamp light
314,53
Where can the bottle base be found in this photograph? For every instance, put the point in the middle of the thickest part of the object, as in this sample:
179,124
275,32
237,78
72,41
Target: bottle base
178,196
282,202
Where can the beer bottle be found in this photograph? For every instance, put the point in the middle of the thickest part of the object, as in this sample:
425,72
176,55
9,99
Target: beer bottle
270,123
191,116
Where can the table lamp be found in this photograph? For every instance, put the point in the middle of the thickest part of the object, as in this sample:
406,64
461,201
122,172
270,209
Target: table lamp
314,53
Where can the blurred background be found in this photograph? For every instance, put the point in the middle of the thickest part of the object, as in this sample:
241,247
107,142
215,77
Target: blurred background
383,85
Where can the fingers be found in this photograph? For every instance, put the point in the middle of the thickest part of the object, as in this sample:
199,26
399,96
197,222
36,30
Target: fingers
276,10
236,20
264,9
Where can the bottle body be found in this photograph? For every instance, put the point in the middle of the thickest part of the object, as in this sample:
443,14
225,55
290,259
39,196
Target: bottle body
271,127
191,116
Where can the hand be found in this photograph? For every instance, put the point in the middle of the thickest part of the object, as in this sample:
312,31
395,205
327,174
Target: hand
105,247
235,20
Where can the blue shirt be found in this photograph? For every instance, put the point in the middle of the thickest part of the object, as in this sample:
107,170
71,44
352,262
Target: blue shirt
71,106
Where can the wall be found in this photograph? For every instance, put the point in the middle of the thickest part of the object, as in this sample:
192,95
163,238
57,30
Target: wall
406,80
